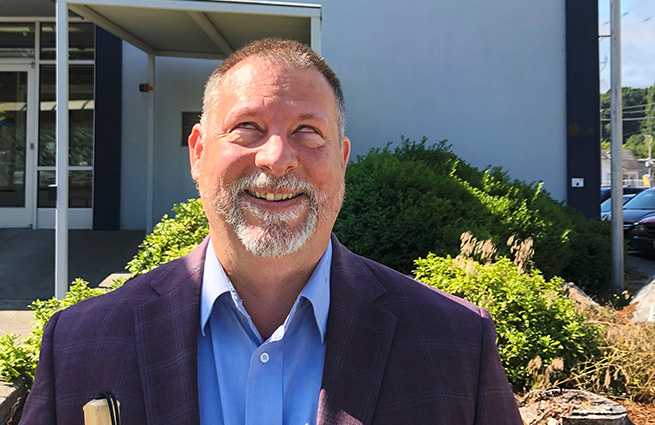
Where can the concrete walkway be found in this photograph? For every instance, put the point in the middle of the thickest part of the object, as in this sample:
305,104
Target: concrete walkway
27,266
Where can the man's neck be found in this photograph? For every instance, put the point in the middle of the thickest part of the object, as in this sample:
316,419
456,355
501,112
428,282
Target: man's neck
268,287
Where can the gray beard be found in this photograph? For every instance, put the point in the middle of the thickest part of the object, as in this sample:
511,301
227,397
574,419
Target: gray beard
274,237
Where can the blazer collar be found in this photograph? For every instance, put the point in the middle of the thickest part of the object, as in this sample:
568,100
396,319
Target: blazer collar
167,341
359,336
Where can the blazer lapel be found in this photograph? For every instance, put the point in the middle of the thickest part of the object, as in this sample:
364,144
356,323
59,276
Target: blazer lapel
167,342
359,336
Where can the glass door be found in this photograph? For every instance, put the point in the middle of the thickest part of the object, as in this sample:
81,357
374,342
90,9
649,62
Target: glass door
17,145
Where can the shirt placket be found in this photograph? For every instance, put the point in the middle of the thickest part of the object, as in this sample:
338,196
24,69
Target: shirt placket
264,391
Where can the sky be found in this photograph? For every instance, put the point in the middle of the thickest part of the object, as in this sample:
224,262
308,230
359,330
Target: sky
637,43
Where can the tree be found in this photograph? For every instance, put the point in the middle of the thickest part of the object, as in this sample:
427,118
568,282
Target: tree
648,125
638,145
634,100
638,105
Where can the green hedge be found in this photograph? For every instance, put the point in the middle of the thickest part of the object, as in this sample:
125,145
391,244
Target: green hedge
401,204
533,318
171,237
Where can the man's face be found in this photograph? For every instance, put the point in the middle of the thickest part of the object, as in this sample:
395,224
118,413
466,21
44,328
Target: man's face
268,161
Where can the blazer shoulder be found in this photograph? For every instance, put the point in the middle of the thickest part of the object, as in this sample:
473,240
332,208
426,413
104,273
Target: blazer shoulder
117,305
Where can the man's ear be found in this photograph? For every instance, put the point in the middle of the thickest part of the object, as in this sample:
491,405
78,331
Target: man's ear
345,151
196,146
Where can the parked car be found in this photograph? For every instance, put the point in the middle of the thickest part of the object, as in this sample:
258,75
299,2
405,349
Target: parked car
642,237
606,205
640,206
606,191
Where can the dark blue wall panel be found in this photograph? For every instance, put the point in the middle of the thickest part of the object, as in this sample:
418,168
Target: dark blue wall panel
107,129
583,105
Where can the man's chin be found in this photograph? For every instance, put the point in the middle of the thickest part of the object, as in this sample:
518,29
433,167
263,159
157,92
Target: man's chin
272,241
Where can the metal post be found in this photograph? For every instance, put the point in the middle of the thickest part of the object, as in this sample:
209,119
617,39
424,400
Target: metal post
150,186
315,34
616,147
649,137
61,215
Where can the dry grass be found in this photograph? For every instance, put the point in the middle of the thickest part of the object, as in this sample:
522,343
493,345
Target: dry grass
639,413
626,367
484,252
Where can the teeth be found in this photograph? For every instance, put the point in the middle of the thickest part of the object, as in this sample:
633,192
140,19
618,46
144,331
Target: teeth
273,196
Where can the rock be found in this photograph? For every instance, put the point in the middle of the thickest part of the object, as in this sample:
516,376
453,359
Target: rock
12,394
570,407
582,300
645,304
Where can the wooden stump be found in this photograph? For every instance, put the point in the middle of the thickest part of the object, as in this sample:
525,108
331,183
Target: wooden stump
571,407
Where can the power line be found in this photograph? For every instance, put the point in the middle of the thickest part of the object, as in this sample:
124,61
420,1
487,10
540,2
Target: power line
635,106
631,119
637,111
626,107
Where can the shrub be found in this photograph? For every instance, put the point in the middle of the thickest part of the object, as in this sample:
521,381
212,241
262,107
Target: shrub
18,359
538,326
416,199
172,237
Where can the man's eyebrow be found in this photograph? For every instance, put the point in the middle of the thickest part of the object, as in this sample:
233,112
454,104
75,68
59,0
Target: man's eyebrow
309,116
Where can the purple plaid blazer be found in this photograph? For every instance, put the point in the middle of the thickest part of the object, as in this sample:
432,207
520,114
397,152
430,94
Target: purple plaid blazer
398,352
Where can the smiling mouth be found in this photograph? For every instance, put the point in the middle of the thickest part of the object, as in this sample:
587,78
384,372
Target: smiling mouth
273,196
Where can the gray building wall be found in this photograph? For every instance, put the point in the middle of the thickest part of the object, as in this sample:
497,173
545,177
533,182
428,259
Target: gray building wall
487,76
179,86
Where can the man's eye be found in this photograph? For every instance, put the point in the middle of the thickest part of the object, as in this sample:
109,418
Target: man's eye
246,126
306,129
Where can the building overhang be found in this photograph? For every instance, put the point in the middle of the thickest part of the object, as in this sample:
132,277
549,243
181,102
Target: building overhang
186,28
201,29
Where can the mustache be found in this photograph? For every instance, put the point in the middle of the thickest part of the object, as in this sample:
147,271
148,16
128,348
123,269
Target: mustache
262,180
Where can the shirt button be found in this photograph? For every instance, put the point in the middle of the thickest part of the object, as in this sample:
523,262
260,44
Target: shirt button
264,358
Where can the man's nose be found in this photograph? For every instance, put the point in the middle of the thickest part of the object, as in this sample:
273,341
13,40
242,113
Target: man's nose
277,156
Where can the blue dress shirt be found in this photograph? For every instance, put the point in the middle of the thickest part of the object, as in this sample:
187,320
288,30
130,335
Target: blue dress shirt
244,380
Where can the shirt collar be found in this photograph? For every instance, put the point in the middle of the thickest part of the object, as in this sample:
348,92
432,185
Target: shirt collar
215,283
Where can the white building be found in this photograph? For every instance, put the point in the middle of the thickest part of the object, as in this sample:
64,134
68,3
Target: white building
511,83
633,169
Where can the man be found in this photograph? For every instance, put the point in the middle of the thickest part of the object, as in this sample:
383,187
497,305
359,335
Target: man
271,320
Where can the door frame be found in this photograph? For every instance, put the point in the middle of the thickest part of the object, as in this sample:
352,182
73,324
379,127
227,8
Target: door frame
25,217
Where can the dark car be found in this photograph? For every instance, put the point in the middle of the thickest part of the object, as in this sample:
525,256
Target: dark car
643,235
606,205
640,206
606,191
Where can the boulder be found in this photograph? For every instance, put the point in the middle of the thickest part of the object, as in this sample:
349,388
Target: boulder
570,407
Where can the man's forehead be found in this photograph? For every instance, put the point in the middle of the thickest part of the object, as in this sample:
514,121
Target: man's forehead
253,70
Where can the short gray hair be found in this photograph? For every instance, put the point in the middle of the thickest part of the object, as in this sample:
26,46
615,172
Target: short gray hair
286,53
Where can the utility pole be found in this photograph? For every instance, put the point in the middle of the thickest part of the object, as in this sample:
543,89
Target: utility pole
616,147
649,137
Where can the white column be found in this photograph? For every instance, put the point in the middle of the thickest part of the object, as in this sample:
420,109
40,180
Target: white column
616,147
316,34
61,215
150,187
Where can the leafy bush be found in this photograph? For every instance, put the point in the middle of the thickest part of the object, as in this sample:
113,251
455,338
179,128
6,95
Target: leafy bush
172,237
537,325
18,359
416,199
402,204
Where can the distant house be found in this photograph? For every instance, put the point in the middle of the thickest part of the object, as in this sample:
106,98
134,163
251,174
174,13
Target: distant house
633,169
511,83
